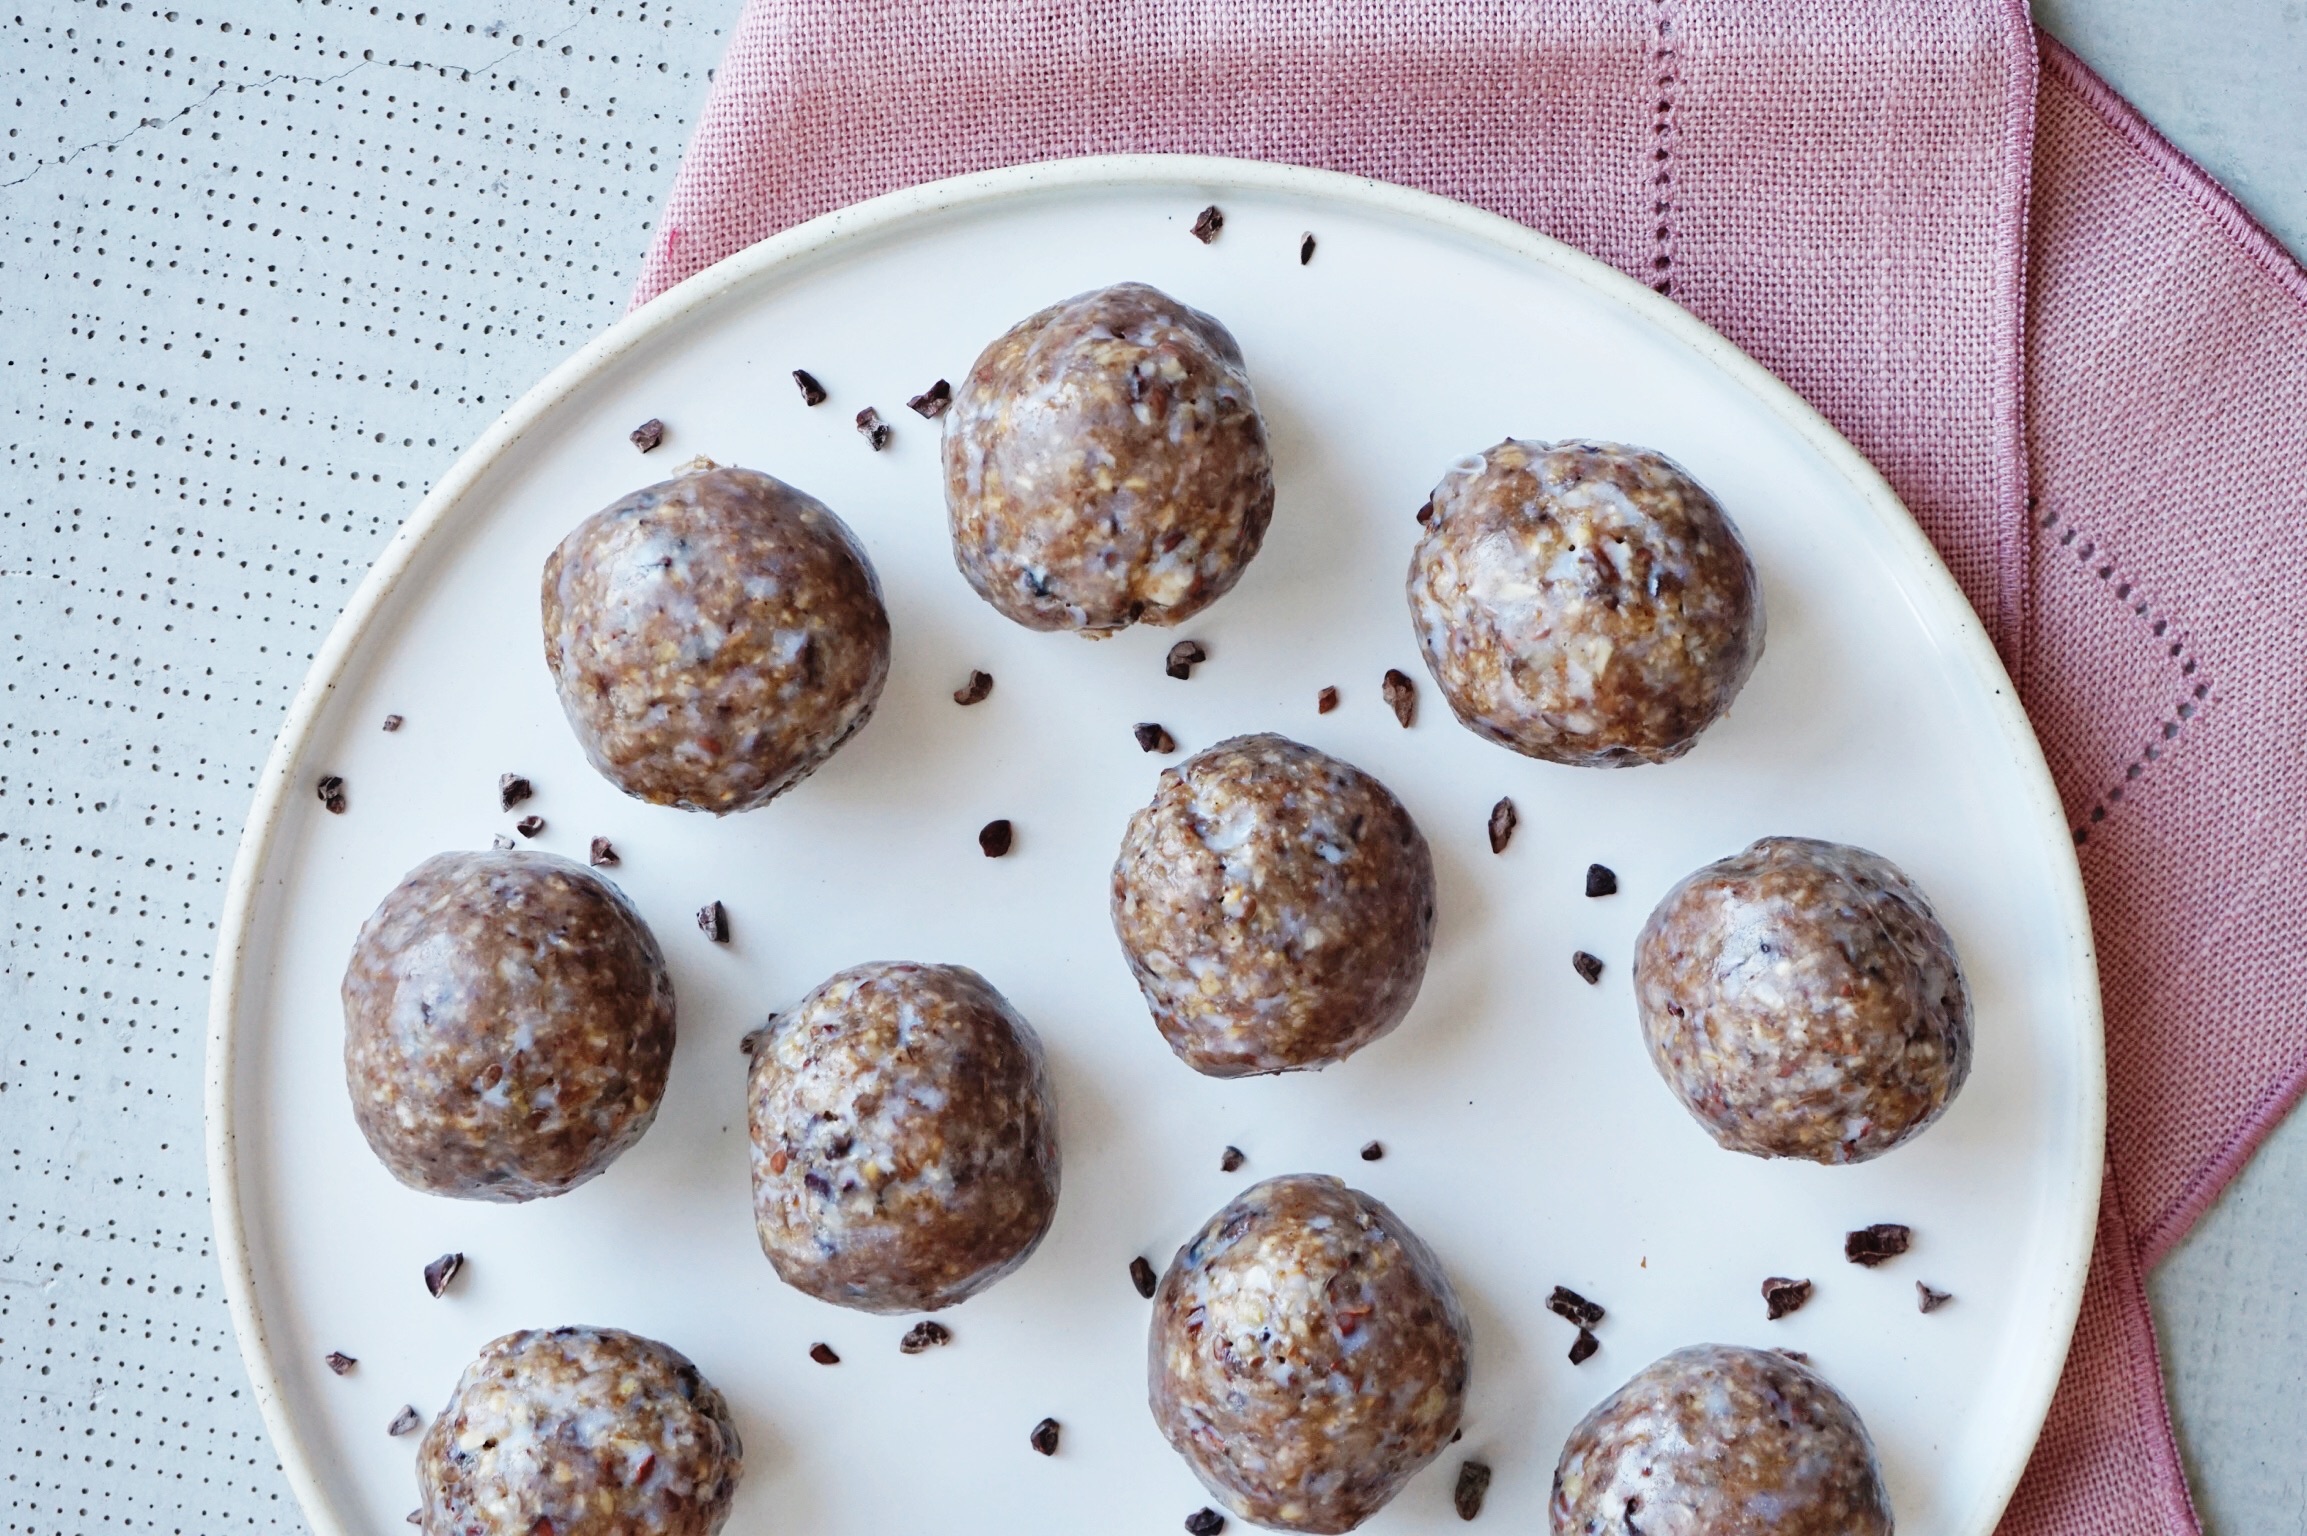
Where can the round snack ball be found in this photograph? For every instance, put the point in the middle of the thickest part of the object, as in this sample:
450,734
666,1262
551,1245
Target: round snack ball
1715,1440
508,1024
580,1432
1802,1000
1308,1355
1585,603
1105,463
715,638
904,1138
1276,906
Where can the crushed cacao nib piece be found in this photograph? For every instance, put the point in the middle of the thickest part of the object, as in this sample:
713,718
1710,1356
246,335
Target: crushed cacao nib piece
1426,512
1473,1476
338,1361
1325,701
529,826
924,1335
1141,1275
392,722
603,854
1205,1522
995,837
1582,1348
1928,1300
873,429
404,1422
648,434
1401,696
1231,1159
1782,1295
1503,819
1588,967
751,1040
1571,1307
713,922
512,789
1372,1151
1305,255
1601,880
331,791
977,690
441,1271
1207,223
823,1354
1874,1245
500,842
1183,658
1044,1437
1152,738
1796,1355
812,392
932,401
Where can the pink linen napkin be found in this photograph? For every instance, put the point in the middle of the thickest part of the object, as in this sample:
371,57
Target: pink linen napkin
2078,361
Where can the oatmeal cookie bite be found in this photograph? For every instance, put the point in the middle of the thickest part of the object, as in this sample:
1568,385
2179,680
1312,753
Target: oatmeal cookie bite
714,638
1276,906
904,1138
1715,1440
1105,464
1308,1355
1584,603
579,1432
1802,1000
508,1026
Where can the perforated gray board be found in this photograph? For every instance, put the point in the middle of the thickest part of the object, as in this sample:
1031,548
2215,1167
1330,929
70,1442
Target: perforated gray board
264,268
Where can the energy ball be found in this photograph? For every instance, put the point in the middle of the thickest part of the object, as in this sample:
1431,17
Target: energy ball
1802,1000
579,1432
1715,1440
904,1139
1105,463
715,638
1308,1355
508,1024
1276,906
1584,603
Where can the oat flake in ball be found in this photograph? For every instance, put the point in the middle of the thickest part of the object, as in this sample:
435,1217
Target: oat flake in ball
508,1026
1308,1355
1276,906
1105,464
715,638
1584,603
1802,1000
904,1138
1715,1440
579,1432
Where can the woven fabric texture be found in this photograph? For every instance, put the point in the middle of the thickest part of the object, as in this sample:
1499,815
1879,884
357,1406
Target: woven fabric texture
2095,404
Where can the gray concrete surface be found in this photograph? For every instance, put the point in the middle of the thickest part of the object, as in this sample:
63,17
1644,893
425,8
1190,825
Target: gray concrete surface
265,267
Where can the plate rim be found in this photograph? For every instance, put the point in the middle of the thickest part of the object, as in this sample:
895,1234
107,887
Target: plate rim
1966,643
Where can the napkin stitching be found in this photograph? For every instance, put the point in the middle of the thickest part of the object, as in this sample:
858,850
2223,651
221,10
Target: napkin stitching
1664,129
2158,626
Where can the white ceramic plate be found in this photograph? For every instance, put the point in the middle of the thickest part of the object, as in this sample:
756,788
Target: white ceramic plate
1526,1136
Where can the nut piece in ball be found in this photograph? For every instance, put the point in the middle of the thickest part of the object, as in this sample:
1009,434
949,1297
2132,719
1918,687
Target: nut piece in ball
1802,1000
1308,1355
1716,1440
1585,603
508,1026
1105,464
1276,906
904,1138
715,638
581,1432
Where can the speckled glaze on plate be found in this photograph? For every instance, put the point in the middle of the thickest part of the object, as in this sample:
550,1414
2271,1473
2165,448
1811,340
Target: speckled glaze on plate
1520,1127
